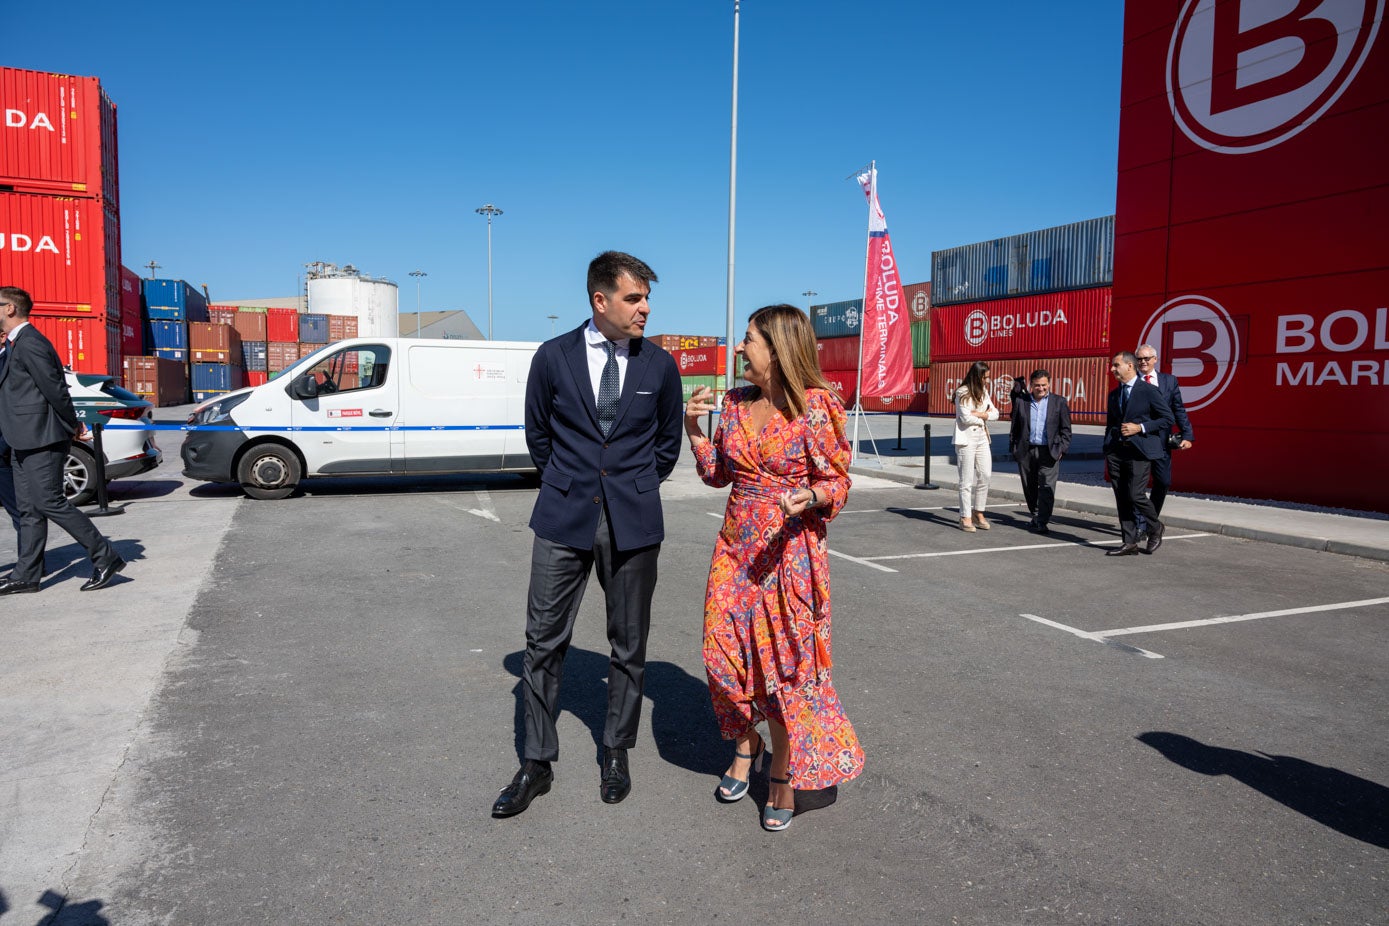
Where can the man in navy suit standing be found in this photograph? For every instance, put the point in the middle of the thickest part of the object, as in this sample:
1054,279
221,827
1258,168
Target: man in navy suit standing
604,419
1136,424
1171,391
1039,436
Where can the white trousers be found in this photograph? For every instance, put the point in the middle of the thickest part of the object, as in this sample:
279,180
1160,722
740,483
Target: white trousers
976,464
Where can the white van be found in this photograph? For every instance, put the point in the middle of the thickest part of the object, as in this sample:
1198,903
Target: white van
369,406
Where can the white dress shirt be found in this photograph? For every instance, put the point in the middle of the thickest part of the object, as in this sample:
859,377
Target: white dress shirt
598,357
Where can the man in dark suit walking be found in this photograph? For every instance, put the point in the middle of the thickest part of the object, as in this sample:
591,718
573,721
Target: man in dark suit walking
1136,424
39,422
604,418
1171,391
1039,435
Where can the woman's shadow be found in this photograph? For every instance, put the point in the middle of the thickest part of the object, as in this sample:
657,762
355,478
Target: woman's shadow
682,720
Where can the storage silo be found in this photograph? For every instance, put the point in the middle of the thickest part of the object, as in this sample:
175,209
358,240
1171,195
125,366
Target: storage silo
375,303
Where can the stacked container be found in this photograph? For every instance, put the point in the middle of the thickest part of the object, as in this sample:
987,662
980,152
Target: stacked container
60,211
170,307
1038,300
161,381
837,330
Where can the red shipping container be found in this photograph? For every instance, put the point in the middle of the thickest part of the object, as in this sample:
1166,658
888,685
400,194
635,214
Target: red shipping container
349,327
1250,242
65,252
306,349
838,353
700,361
159,379
917,298
282,325
280,354
132,326
1084,381
59,136
251,326
220,315
1069,324
84,345
257,377
337,327
211,342
843,383
918,403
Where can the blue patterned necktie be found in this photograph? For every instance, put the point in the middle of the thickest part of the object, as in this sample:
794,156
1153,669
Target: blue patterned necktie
608,390
1124,401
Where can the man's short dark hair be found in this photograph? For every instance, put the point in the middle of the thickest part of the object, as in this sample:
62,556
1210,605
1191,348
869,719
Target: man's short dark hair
1128,357
1039,374
23,302
604,270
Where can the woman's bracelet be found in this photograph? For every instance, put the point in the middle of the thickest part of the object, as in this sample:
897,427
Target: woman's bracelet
814,500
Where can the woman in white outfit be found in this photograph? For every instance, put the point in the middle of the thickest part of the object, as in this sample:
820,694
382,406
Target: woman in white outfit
973,453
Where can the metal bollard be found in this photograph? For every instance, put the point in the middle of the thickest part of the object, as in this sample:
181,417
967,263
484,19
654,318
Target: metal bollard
103,507
927,483
899,432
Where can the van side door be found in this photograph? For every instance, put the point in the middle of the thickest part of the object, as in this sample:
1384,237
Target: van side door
345,406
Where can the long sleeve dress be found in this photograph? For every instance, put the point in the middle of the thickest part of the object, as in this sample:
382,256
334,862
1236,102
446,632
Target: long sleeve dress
767,606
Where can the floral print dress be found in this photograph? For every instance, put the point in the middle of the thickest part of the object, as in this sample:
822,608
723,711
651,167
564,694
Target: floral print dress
767,607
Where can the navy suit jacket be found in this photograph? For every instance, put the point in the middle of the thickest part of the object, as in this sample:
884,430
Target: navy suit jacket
581,472
35,407
1146,407
1172,391
1058,429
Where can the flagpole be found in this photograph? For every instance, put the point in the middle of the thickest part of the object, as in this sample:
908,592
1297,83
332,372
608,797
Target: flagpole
867,256
732,207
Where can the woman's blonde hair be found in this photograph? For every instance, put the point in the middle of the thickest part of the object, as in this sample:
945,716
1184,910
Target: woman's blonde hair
787,330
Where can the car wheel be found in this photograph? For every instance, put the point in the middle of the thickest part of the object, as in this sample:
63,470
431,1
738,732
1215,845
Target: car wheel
79,475
269,472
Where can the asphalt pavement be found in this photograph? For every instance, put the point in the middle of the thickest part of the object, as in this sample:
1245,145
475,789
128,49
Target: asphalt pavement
300,711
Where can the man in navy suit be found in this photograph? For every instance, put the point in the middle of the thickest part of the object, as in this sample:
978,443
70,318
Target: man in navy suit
1039,435
1136,424
604,418
1171,391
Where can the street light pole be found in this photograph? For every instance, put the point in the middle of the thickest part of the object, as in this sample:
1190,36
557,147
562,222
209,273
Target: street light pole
417,274
552,324
809,294
732,201
489,210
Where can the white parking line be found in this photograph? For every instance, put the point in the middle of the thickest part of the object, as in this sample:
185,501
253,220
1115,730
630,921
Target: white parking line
852,559
1260,615
1093,637
1029,546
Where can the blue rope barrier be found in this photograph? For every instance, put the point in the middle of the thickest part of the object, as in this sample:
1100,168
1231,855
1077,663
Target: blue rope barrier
381,427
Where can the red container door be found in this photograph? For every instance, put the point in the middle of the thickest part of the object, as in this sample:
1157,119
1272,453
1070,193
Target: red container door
58,135
64,252
282,325
84,345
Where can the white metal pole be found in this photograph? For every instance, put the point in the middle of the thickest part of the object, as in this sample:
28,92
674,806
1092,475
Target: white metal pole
867,256
732,206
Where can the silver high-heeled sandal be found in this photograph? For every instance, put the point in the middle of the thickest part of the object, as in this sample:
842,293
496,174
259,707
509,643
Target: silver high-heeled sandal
737,788
775,819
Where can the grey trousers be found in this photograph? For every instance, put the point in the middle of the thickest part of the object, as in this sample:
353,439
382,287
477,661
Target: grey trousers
559,576
38,482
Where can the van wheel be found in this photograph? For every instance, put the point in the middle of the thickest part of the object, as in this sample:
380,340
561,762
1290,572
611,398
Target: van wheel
269,472
79,475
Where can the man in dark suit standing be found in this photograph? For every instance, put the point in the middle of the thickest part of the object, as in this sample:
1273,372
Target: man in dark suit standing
1039,435
1136,424
1171,391
604,418
39,422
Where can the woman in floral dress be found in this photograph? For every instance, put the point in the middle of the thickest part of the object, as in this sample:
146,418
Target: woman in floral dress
780,443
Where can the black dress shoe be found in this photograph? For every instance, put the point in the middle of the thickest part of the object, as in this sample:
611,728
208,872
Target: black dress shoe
617,781
1155,532
11,587
1128,549
532,780
103,575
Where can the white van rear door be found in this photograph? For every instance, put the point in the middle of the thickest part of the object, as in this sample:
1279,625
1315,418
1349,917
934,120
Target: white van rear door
347,425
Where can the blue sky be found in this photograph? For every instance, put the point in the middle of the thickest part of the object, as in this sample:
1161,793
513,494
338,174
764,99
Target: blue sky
257,137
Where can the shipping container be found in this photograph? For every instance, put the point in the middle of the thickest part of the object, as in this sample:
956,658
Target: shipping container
1069,324
917,298
1075,256
843,383
167,335
674,342
261,377
59,136
173,300
254,356
132,325
837,319
688,384
341,327
171,353
251,325
700,361
1084,381
64,252
215,377
162,381
280,354
214,343
306,349
282,325
921,343
313,329
837,353
84,345
220,315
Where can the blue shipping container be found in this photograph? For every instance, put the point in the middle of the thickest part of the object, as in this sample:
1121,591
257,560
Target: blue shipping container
176,295
167,334
1075,256
216,377
837,319
254,356
313,329
171,353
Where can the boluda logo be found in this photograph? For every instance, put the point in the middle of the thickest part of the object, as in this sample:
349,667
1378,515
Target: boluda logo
1201,345
979,325
19,119
921,305
15,241
1245,75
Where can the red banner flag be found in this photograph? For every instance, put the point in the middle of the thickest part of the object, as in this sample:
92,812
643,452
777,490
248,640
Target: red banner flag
887,339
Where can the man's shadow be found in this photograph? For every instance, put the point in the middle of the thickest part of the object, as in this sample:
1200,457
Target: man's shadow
70,561
1355,806
682,719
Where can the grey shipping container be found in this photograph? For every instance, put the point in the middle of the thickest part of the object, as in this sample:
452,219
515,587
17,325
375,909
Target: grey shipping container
837,319
1075,256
